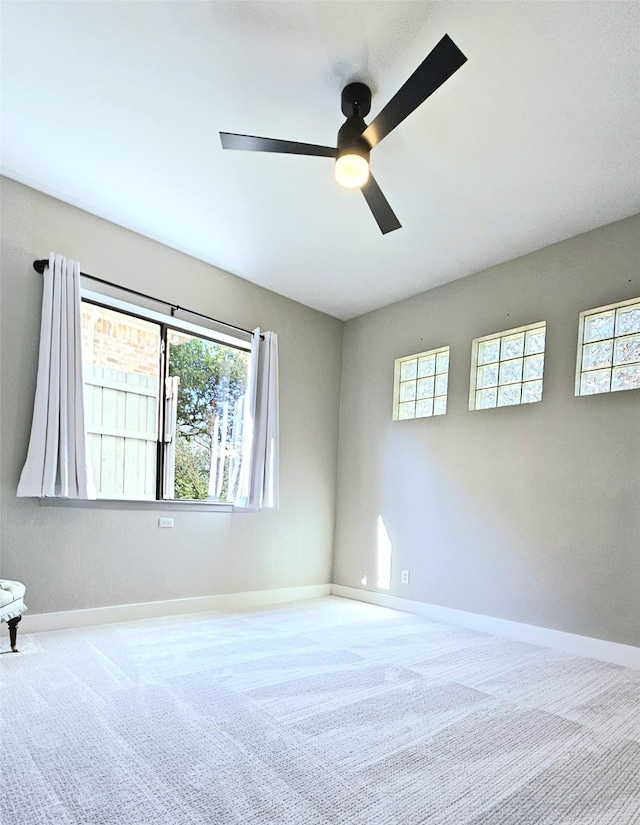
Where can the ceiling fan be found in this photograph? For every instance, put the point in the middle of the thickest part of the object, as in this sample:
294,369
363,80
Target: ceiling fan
356,139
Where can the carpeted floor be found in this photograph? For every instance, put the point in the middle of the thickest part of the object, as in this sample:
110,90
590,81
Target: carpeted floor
328,712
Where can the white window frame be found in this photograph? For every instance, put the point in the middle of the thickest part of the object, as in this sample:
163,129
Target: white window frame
475,345
240,341
396,382
581,343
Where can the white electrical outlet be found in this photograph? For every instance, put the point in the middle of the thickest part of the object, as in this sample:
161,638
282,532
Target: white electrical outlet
165,522
405,577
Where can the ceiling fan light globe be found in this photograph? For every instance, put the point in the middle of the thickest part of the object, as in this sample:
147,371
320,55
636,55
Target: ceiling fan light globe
352,171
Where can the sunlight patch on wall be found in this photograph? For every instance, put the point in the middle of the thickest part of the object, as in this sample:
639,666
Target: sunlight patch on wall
385,549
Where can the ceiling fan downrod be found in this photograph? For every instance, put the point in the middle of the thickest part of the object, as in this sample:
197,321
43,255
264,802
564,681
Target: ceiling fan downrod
352,158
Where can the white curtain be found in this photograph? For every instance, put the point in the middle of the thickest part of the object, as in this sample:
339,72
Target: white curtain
57,461
259,476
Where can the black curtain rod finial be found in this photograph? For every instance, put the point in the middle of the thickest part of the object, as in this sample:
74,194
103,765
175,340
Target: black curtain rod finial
39,266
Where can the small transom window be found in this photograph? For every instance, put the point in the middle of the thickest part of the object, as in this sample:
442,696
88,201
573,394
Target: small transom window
420,384
609,349
507,367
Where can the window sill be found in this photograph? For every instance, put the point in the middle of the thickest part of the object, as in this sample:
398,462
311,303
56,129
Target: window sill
135,504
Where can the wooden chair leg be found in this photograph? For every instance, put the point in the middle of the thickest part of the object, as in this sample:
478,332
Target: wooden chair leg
13,632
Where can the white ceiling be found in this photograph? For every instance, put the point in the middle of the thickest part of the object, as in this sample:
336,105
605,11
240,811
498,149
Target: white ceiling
116,107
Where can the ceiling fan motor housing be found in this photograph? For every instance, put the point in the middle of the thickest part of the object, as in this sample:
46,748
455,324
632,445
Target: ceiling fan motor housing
356,100
356,104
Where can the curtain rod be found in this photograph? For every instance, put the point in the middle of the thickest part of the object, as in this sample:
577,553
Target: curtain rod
40,265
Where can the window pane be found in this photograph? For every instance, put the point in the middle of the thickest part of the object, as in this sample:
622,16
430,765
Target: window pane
424,408
626,378
441,384
443,362
628,320
487,376
596,356
509,395
426,366
210,405
406,410
440,405
488,351
512,346
598,327
627,350
121,379
511,371
408,370
533,367
535,341
531,391
408,391
595,382
425,387
485,399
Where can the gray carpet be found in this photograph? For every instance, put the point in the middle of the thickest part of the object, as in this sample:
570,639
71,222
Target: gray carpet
328,712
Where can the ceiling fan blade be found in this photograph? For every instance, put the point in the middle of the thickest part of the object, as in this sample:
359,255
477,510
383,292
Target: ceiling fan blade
250,143
379,206
445,59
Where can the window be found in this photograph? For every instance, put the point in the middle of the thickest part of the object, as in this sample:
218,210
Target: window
164,405
507,367
420,384
609,349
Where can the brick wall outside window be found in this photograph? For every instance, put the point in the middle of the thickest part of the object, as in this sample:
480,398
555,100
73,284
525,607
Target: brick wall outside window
113,340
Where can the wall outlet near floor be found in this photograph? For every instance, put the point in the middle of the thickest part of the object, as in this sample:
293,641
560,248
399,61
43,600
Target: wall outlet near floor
405,577
165,522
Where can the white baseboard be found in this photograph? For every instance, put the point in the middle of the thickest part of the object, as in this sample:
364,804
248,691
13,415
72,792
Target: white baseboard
614,652
65,619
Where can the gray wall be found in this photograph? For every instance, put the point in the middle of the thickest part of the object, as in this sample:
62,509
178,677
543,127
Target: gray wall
529,513
82,557
526,513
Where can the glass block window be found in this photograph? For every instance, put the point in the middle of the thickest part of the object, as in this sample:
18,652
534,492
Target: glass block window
609,349
507,367
420,384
